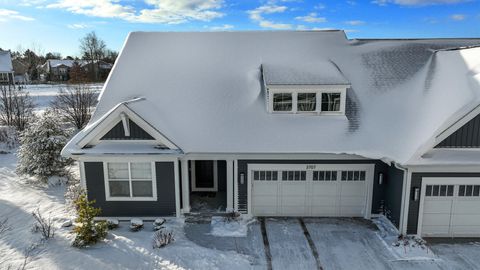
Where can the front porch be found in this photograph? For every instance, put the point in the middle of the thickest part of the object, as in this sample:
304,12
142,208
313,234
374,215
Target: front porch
207,186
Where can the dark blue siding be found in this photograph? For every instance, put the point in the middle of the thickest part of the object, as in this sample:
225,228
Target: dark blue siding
164,206
467,136
118,133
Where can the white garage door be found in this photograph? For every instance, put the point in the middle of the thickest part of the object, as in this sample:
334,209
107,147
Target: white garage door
451,209
310,190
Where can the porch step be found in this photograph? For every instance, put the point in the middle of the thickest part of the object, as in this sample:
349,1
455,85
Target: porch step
202,217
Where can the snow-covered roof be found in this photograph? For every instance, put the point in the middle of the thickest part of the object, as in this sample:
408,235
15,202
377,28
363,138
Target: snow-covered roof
319,73
203,91
69,63
5,61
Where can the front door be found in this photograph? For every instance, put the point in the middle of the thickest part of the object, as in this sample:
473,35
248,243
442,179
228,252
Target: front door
204,175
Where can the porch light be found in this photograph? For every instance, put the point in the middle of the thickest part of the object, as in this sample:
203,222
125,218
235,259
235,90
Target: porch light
380,178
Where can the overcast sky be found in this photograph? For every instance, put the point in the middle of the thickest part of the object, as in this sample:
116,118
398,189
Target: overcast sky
57,25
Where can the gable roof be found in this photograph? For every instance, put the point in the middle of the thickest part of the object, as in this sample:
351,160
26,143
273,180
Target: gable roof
204,90
5,61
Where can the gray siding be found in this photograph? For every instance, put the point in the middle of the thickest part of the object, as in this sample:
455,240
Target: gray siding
394,189
164,206
118,133
467,136
414,206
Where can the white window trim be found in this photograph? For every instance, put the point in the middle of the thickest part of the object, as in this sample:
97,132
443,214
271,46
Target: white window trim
107,187
318,91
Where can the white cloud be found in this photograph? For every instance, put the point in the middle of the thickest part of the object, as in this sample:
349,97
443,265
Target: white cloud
270,8
161,11
417,2
78,26
319,6
458,17
355,22
221,27
8,14
311,18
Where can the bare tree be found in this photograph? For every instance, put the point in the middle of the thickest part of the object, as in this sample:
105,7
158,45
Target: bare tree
76,103
93,49
16,107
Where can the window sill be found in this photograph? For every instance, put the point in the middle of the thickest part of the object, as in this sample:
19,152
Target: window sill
130,199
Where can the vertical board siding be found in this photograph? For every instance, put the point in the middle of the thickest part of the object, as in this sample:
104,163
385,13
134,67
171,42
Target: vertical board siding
468,136
164,206
414,206
118,133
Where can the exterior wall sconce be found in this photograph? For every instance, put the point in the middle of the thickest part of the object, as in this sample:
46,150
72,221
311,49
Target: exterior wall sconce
380,178
242,178
416,194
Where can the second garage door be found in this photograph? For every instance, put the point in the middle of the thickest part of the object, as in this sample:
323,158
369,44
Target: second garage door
310,190
451,208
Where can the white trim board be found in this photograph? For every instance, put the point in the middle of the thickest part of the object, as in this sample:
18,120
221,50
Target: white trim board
107,123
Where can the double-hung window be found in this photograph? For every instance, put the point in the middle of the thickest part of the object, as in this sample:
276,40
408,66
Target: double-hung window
130,181
282,102
306,102
331,102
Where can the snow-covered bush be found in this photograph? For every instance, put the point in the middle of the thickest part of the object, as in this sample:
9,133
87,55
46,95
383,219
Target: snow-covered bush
88,231
112,223
41,143
136,225
43,225
162,238
232,216
158,224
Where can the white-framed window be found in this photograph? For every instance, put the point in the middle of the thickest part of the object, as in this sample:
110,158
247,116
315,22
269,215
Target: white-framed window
282,102
3,77
329,101
133,181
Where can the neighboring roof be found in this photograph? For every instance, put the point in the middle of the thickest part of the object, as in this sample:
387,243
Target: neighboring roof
69,63
203,91
5,61
320,73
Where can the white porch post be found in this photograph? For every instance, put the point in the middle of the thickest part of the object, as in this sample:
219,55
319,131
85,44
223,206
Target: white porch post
185,186
229,185
177,188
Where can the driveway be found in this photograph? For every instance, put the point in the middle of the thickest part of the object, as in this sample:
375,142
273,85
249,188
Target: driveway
338,243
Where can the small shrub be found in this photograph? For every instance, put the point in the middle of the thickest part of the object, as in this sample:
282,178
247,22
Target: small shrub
88,231
136,225
162,238
112,223
231,216
158,224
43,225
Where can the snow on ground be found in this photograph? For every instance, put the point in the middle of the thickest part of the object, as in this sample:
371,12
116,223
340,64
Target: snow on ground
43,94
408,248
230,228
122,249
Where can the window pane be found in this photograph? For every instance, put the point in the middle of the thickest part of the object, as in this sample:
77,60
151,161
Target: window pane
344,175
275,175
142,188
350,175
328,175
435,190
141,170
356,175
476,190
117,170
315,175
297,175
303,175
461,190
306,102
256,175
282,102
284,175
119,188
362,175
290,175
469,191
268,175
331,102
428,191
450,190
262,175
443,190
334,175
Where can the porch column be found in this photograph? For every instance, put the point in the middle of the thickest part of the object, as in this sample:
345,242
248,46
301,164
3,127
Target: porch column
185,187
230,185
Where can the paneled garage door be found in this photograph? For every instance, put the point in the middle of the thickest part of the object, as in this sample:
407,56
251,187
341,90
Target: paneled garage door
310,190
450,208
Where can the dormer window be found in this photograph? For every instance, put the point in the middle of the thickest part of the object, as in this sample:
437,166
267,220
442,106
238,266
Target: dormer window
311,100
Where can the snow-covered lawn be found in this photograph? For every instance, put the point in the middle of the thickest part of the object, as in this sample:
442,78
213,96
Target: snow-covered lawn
121,250
43,94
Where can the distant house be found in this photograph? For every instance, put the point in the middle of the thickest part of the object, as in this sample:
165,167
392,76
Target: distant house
58,70
6,68
20,71
289,123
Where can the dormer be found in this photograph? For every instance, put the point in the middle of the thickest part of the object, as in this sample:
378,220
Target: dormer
317,89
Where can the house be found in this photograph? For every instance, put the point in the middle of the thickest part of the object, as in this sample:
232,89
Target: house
289,123
21,72
6,68
58,70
